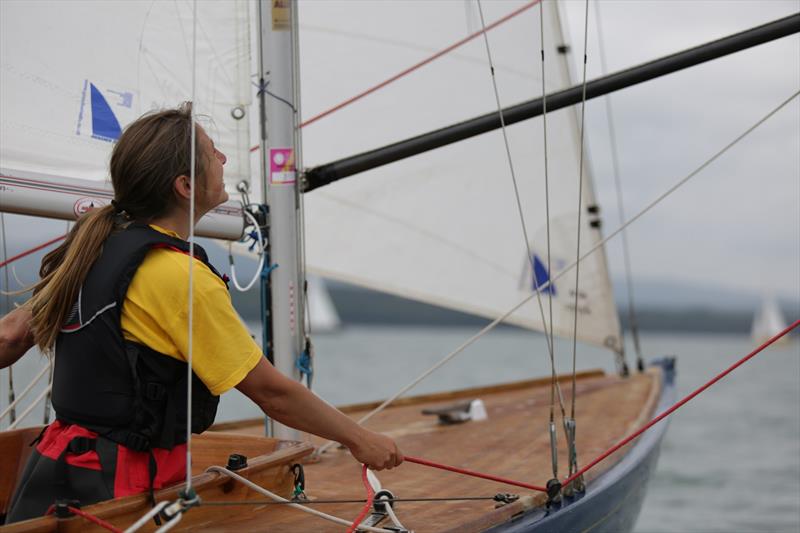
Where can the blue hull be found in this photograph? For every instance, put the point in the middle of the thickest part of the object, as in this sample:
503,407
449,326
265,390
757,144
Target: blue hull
611,502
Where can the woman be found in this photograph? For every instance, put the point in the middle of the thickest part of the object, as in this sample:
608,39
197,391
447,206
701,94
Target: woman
111,306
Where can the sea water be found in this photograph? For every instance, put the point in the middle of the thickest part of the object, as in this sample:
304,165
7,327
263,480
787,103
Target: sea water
730,461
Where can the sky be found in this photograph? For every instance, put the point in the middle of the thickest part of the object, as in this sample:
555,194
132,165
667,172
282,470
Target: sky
737,223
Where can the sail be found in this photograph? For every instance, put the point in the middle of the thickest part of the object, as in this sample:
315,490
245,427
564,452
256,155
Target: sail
97,66
768,322
443,227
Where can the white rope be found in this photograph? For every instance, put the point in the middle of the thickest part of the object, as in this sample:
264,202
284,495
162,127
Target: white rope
566,269
22,395
146,518
261,255
300,507
30,408
192,177
393,517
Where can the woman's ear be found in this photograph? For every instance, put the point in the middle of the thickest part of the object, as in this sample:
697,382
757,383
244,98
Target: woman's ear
183,187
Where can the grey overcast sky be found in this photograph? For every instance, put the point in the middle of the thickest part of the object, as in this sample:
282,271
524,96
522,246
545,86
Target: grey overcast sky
736,224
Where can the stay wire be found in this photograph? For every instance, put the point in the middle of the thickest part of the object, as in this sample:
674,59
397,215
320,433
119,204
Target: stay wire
554,380
612,136
566,269
580,210
192,177
537,292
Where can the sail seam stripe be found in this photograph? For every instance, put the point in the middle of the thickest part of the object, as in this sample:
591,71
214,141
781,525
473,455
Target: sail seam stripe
566,269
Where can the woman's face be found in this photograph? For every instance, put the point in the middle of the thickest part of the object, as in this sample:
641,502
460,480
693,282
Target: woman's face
211,187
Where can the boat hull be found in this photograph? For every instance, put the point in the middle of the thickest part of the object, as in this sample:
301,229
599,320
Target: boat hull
611,502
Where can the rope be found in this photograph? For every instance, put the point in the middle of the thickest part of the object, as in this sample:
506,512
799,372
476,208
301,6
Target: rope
261,256
27,389
32,250
91,518
272,495
425,462
412,68
7,309
30,408
679,404
368,504
612,136
567,268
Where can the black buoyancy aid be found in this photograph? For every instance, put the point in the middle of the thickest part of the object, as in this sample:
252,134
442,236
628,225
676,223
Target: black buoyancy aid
123,390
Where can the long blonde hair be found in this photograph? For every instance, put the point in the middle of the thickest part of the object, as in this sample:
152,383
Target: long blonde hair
151,152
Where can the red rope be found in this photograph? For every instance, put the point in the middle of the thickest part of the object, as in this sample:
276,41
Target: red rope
675,407
424,462
416,66
368,505
32,250
87,516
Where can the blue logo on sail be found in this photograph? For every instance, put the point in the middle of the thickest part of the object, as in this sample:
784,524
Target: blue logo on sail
541,276
105,123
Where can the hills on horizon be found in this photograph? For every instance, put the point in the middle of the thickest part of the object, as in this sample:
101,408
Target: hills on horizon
661,305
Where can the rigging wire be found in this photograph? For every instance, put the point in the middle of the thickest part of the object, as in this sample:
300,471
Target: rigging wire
580,207
554,381
547,330
567,268
192,180
612,136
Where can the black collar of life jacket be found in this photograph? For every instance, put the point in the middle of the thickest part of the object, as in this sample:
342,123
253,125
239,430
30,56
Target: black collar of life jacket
123,390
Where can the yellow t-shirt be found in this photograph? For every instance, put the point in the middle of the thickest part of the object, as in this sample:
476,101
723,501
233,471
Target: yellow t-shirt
155,313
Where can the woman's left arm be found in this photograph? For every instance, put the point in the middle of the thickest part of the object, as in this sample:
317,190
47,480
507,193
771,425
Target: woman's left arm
15,336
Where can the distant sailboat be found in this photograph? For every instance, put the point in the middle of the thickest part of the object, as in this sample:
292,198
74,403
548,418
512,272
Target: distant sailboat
768,321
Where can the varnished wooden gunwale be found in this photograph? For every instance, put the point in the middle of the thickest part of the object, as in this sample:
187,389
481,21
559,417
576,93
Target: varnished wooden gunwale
513,443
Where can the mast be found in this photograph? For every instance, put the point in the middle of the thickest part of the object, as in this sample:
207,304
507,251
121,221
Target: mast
280,192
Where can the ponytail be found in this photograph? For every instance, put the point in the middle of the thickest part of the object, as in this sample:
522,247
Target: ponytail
63,272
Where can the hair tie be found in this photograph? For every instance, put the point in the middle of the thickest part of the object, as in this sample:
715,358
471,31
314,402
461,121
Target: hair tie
117,208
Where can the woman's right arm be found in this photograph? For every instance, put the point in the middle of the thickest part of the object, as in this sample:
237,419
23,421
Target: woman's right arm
15,336
290,403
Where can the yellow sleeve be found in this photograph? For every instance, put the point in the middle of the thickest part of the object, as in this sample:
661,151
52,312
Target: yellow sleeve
155,313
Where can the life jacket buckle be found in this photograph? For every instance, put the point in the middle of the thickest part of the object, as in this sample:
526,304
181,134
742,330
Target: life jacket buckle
137,442
154,391
81,445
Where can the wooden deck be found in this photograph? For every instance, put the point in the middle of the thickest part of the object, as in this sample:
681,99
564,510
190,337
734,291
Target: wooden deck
513,443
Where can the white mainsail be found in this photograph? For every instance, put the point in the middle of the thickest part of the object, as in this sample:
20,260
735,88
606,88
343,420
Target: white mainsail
443,227
95,67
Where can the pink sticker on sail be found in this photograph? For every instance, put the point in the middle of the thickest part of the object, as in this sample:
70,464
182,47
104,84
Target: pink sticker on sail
281,165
